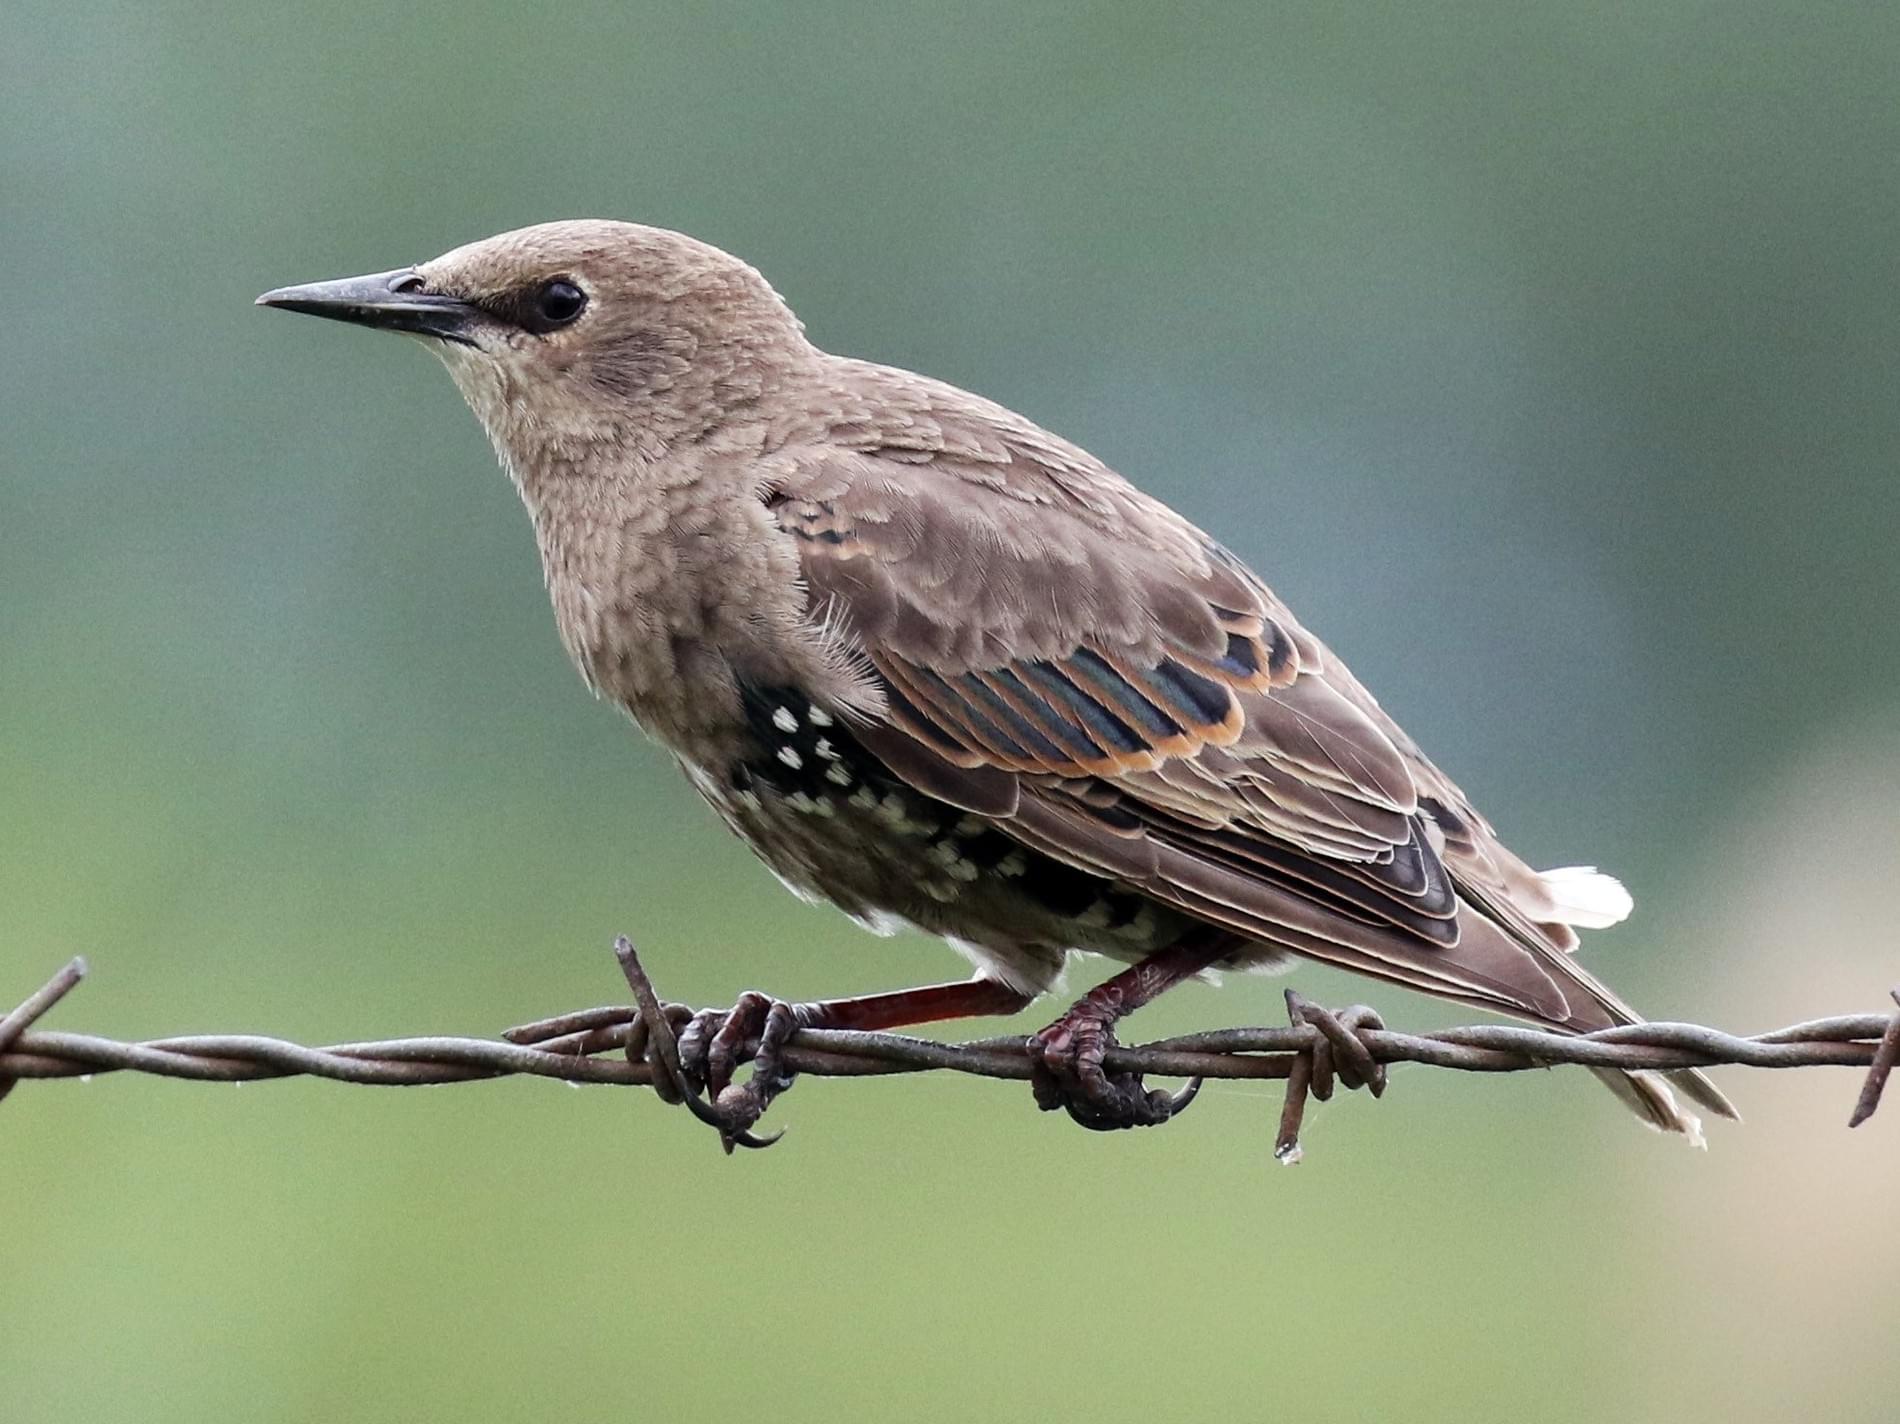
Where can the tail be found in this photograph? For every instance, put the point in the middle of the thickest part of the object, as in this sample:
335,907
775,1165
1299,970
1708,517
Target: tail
1648,1095
1523,944
1511,953
1586,897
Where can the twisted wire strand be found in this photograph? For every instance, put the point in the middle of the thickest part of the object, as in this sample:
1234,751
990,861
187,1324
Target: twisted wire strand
603,1045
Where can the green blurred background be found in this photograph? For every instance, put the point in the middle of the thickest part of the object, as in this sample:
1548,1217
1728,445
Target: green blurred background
1543,357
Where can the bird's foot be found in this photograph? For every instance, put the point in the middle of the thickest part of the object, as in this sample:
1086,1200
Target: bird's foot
1067,1071
716,1043
692,1056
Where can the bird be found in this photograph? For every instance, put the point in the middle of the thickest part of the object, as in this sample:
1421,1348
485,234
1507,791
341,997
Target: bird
944,669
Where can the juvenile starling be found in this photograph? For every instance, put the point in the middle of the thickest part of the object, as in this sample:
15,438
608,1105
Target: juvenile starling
942,668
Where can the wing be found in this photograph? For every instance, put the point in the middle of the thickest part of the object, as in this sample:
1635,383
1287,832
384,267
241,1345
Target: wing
1054,650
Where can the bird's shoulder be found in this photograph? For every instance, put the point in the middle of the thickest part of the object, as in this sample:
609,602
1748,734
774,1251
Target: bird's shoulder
1003,535
900,418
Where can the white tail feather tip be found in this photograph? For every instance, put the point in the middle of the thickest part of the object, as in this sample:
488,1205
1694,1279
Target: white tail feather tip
1585,897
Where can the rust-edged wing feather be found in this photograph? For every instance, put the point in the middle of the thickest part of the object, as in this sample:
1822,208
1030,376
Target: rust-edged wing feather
1050,648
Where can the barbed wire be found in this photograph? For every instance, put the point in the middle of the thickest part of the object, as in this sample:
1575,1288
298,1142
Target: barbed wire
634,1045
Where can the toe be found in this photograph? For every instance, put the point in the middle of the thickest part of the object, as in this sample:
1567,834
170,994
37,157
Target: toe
696,1045
727,1047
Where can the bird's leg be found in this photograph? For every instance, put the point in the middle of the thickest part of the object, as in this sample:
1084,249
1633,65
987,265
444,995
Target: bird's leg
714,1043
1066,1057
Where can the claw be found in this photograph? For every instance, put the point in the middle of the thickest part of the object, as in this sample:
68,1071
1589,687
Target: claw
1185,1096
731,1134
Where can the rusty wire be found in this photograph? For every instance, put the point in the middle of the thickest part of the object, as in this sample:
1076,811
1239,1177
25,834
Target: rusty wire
607,1045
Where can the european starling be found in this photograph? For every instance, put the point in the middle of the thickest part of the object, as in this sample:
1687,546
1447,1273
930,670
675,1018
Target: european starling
945,669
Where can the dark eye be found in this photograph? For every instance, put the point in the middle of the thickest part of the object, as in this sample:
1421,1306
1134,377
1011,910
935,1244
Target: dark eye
555,304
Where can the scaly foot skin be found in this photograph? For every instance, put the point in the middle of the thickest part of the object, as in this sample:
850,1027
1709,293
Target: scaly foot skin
713,1046
1066,1072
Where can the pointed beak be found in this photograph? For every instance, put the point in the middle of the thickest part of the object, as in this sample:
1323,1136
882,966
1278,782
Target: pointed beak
391,301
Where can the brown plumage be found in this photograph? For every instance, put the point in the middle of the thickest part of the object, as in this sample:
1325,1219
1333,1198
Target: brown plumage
939,666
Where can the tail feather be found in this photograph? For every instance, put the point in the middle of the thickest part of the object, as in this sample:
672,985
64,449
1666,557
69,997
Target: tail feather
1646,1093
1696,1085
1648,1096
1583,896
1571,1000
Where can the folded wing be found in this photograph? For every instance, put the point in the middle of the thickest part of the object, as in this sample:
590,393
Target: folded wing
1048,647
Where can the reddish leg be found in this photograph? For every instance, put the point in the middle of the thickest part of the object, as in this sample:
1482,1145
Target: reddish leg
1067,1055
933,1003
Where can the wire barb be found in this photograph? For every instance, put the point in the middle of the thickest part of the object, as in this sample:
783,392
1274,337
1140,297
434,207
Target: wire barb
1315,1070
638,1046
1885,1055
34,1007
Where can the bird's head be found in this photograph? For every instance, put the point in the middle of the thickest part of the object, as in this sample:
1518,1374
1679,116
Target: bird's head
574,334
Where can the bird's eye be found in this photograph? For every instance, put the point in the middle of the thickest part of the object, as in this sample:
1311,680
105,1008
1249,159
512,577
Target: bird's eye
557,303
